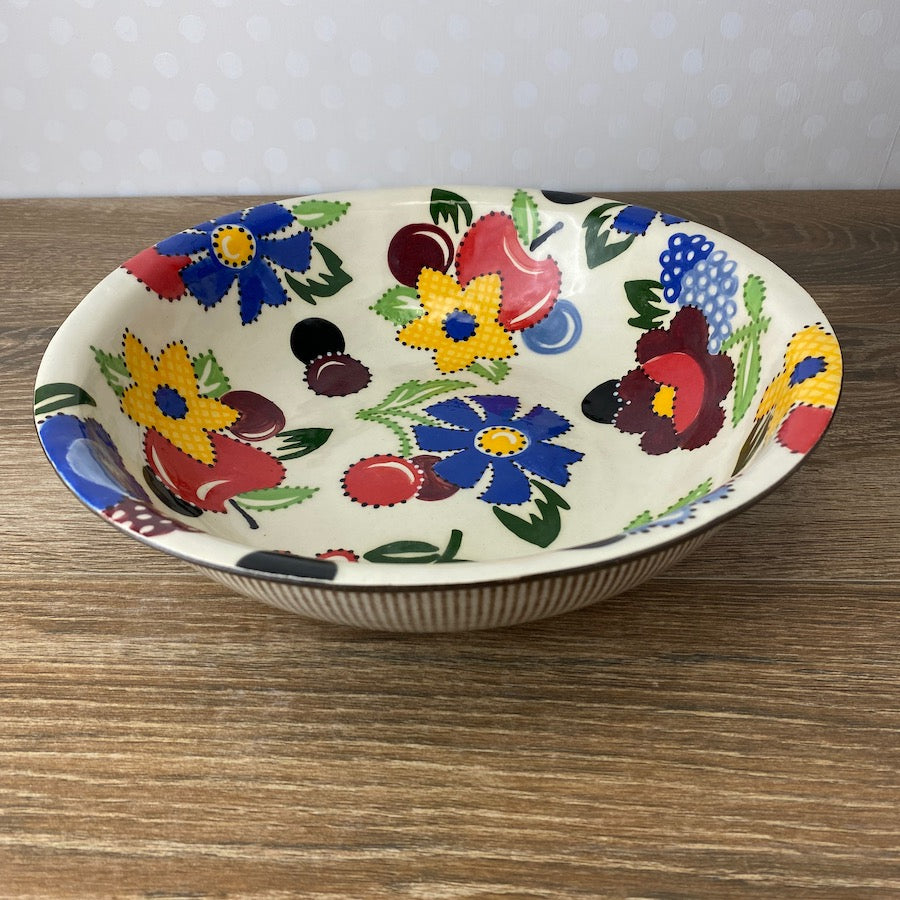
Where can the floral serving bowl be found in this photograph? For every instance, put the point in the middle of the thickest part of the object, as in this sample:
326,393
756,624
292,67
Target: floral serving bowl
435,409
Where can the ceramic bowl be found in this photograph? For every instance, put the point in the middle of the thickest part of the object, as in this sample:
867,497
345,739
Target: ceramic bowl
435,409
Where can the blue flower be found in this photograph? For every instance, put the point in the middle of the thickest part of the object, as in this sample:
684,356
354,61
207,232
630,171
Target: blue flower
637,219
243,247
88,461
494,438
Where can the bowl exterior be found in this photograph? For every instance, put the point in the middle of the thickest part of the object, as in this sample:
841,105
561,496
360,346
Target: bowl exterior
461,608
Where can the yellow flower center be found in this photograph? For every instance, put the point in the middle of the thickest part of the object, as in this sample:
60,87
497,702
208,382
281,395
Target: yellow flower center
234,245
501,441
664,401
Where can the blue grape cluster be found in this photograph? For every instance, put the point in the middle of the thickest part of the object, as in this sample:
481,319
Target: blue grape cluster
694,273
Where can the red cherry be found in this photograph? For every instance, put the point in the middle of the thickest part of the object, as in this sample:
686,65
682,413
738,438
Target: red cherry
530,287
382,480
260,418
417,247
238,468
348,555
433,486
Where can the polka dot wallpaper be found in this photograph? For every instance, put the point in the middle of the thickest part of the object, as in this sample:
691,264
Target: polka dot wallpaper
291,96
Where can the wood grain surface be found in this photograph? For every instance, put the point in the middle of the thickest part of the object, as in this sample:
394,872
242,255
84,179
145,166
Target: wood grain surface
730,729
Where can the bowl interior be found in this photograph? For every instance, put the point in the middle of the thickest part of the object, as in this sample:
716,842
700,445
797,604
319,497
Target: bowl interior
436,375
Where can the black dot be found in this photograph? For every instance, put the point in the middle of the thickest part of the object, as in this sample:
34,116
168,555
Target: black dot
315,337
602,403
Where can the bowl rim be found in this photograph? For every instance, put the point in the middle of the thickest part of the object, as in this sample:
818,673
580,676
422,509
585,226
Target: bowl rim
767,471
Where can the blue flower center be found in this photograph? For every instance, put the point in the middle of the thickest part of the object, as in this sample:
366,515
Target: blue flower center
459,325
806,369
170,403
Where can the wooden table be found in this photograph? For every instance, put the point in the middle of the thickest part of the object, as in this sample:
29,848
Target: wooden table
731,729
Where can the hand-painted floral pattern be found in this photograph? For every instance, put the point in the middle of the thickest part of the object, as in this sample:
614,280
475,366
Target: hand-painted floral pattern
460,324
184,404
694,273
484,433
243,247
159,273
478,291
87,460
165,397
530,286
797,406
498,287
682,509
673,399
237,468
637,219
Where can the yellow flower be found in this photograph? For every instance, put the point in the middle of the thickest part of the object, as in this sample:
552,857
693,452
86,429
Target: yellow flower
165,396
460,325
811,376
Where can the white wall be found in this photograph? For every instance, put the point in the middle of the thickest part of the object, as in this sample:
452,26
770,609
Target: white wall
184,96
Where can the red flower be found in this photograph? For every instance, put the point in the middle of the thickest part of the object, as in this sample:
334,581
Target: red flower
674,397
238,467
159,273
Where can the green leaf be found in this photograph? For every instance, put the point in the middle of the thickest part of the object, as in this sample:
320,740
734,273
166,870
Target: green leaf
211,380
541,529
639,521
750,331
399,305
600,251
416,551
526,217
114,370
324,278
643,299
400,401
301,441
315,213
268,499
446,207
693,496
415,392
746,378
749,364
494,370
754,295
597,248
647,518
49,398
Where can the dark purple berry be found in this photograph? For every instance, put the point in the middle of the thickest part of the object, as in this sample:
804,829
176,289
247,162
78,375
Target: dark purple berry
260,418
433,486
417,247
337,375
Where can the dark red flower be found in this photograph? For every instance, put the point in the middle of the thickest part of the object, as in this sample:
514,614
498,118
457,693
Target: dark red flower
238,467
674,397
